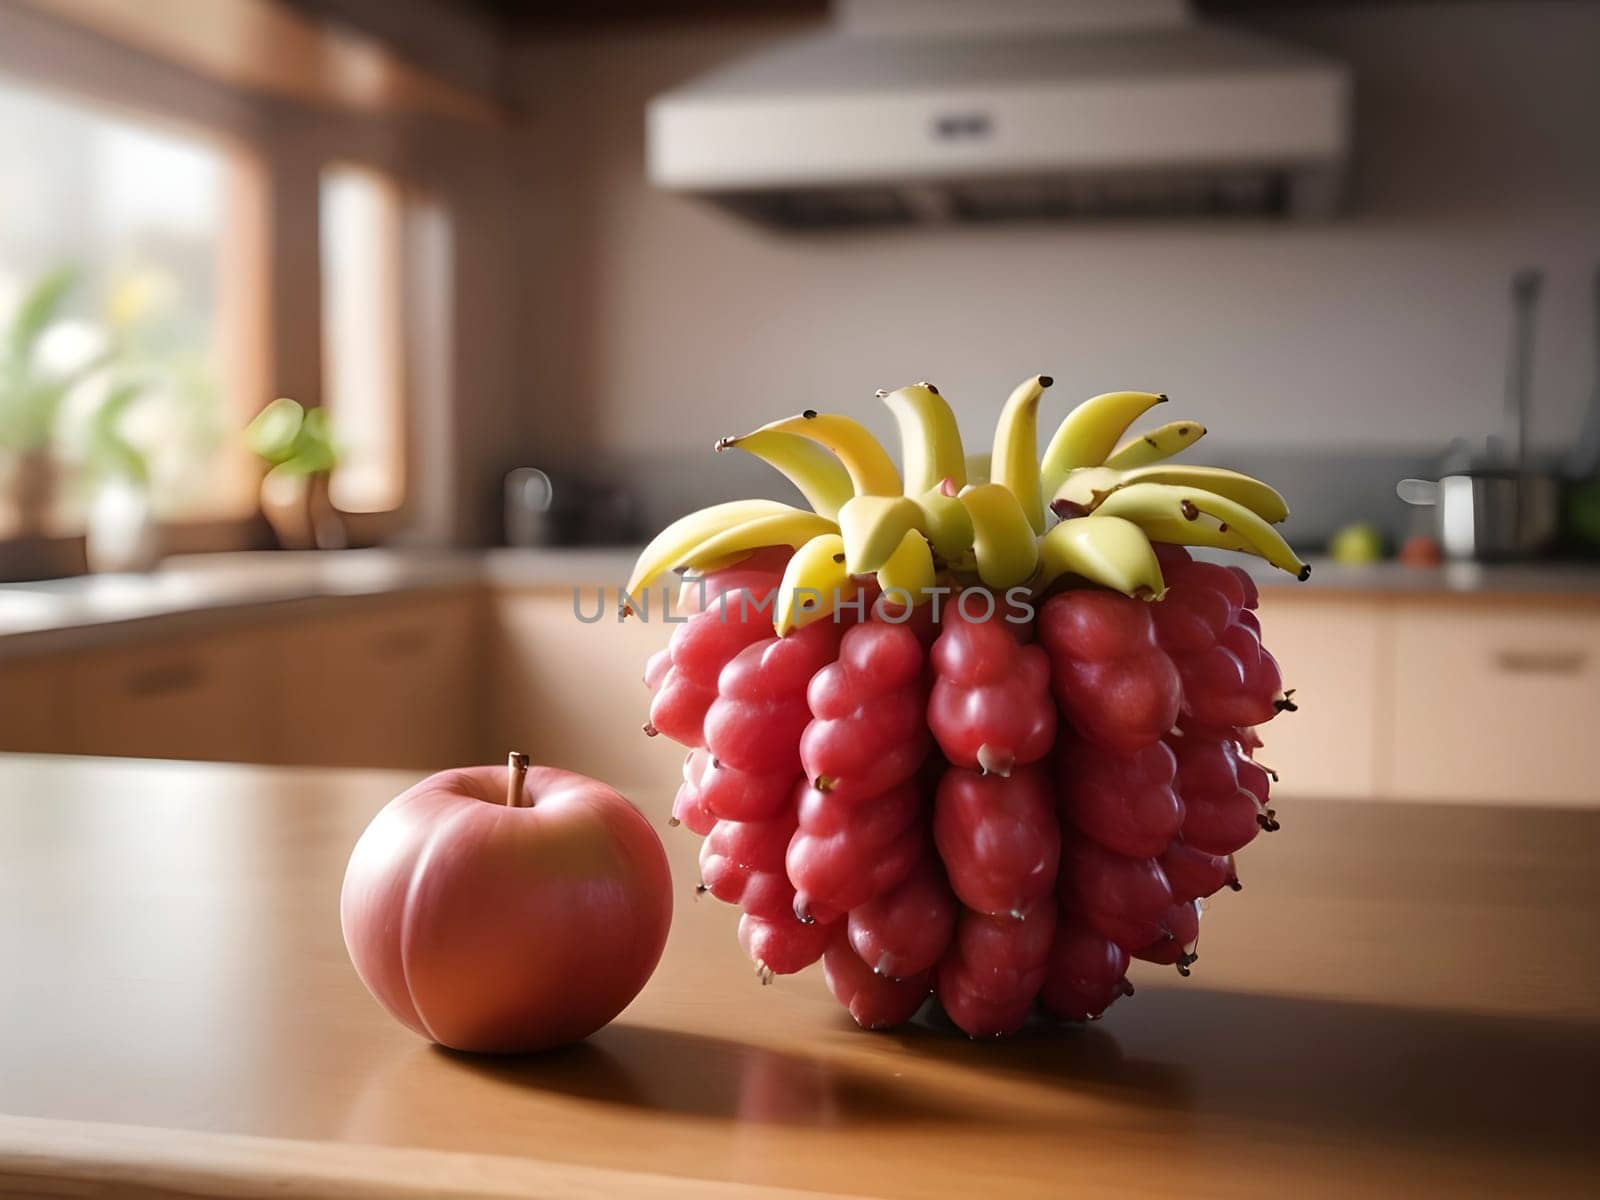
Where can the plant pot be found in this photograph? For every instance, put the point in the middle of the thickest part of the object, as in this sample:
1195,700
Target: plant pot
301,512
120,533
33,490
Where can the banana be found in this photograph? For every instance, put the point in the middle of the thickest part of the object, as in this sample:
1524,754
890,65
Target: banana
1110,551
872,472
1146,448
1015,459
945,521
1171,513
669,547
811,583
909,570
930,439
985,514
821,478
873,526
1083,489
1087,487
1003,540
793,528
1090,432
1260,498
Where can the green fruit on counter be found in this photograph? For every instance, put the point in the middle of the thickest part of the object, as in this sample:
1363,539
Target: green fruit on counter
1583,513
1357,544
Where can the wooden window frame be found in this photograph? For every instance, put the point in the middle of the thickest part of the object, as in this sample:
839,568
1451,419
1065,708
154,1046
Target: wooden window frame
398,270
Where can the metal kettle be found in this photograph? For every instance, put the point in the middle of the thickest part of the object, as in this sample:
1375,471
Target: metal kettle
1498,509
1490,514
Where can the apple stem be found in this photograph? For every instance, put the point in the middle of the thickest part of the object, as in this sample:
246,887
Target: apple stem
516,773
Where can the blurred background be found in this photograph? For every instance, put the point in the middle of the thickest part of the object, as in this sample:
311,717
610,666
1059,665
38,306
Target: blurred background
512,266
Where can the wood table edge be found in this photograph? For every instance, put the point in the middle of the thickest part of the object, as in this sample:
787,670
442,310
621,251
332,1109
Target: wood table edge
40,1156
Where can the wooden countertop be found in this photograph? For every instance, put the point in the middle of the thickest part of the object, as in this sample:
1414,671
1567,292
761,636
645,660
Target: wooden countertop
1403,1000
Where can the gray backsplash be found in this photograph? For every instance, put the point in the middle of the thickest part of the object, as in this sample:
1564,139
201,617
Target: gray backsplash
1326,489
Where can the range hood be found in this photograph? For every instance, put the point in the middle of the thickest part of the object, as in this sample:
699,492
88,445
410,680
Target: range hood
969,110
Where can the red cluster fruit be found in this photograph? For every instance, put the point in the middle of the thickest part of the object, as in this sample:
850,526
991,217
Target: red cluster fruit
1208,627
996,812
990,707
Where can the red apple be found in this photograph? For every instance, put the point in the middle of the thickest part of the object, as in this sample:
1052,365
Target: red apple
503,909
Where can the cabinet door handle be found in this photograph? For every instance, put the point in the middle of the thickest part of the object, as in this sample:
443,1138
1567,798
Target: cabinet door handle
1541,662
164,679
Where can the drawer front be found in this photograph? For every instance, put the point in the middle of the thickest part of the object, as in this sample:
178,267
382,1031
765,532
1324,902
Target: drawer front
36,706
210,697
391,685
572,694
1330,652
1496,705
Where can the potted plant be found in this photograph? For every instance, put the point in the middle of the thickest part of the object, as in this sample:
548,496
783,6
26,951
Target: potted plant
120,531
298,446
31,392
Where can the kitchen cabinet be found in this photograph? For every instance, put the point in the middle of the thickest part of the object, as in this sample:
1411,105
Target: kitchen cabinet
1452,698
369,681
1330,651
1426,696
36,706
1493,701
389,682
209,697
573,694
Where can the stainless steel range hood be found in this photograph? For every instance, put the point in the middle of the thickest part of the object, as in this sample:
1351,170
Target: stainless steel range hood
912,110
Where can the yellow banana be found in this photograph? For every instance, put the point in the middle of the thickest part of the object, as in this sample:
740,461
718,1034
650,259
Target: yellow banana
813,469
909,570
793,528
1146,448
1015,459
872,471
873,526
1083,489
961,514
930,439
945,521
669,547
1260,498
1110,551
812,583
1003,541
1090,432
1087,487
1171,513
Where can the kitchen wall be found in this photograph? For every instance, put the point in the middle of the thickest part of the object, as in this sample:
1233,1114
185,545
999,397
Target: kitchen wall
596,320
651,323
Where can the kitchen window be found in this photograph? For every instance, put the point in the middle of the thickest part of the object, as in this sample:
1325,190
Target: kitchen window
133,301
364,386
387,269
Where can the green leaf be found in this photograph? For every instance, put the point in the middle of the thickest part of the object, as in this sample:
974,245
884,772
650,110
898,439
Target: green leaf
110,453
38,312
294,439
275,430
313,449
28,401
